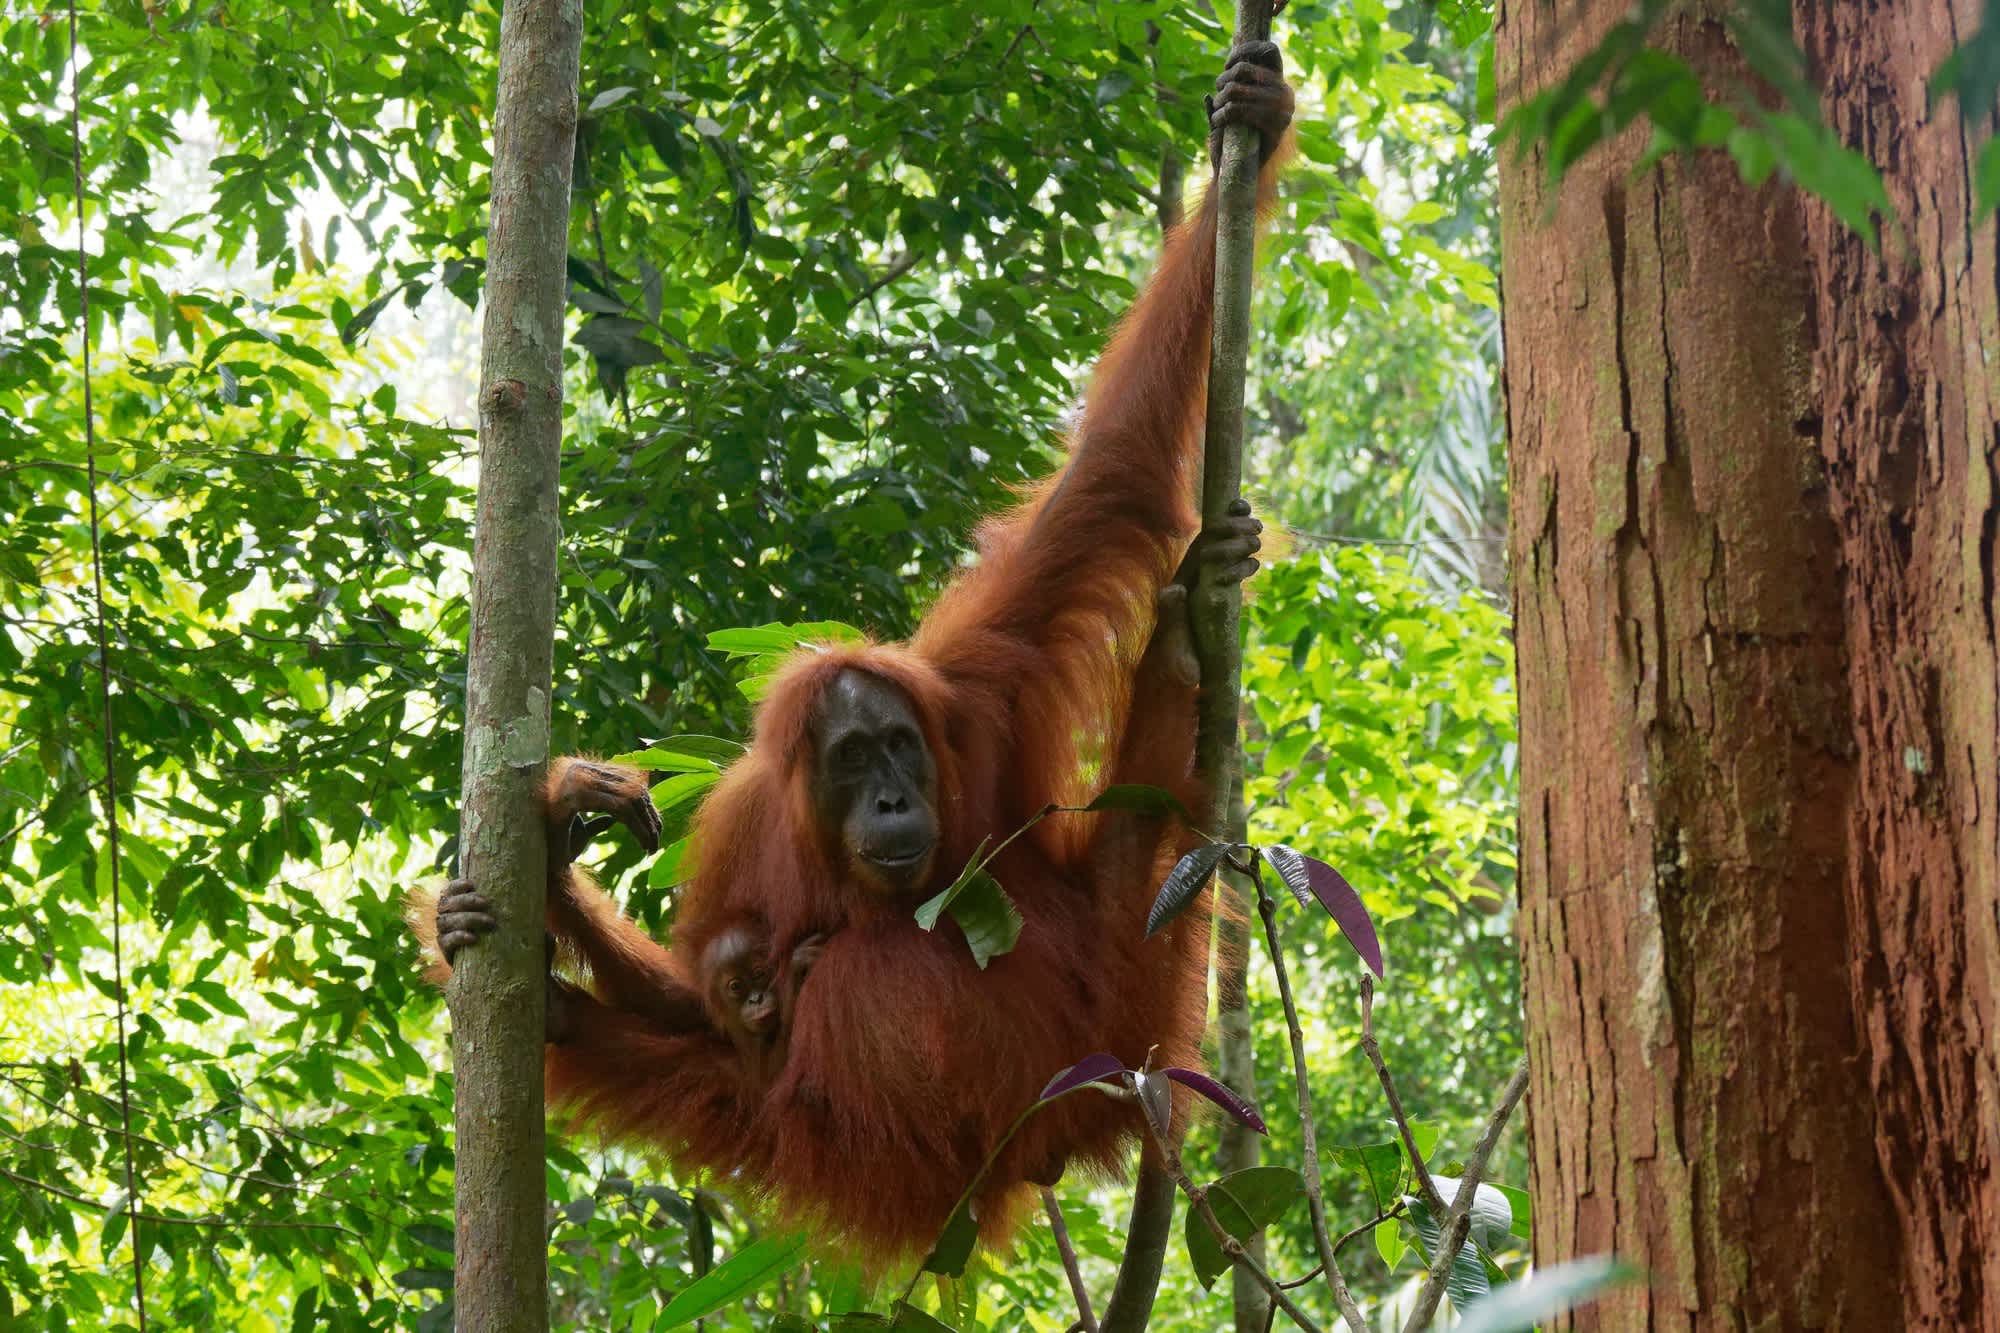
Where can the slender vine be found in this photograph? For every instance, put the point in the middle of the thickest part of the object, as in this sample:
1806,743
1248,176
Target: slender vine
104,679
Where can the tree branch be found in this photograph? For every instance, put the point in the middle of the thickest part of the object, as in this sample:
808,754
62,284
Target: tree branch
1146,1235
1454,1227
1085,1320
1316,1201
1425,1189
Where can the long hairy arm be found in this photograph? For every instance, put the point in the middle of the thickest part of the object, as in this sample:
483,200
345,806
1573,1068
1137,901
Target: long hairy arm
1053,619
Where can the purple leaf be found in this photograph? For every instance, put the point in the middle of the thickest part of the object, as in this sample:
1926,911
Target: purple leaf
1304,874
1158,1100
1184,882
1221,1095
1090,1069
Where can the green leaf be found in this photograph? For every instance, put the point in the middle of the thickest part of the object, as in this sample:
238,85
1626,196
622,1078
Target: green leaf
683,789
1245,1202
665,871
954,1244
1138,798
1466,1281
1520,1208
305,1311
932,908
1755,157
1379,1167
775,640
1389,1242
364,318
982,909
616,341
1492,1211
1986,176
1426,1134
748,1270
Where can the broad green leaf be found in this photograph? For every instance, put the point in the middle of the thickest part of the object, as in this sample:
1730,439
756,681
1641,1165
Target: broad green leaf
954,1244
1520,1209
1138,798
1379,1167
1244,1202
932,908
1466,1281
991,922
744,1273
1492,1211
683,789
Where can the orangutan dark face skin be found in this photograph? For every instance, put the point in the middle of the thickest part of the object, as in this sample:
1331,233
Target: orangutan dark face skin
874,782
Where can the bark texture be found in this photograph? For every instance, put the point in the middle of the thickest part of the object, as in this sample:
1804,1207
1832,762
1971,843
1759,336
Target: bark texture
496,992
1754,523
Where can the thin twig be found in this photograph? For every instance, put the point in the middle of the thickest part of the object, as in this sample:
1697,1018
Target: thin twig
1085,1320
1426,1190
895,269
1267,908
104,675
1455,1226
1027,30
1368,1226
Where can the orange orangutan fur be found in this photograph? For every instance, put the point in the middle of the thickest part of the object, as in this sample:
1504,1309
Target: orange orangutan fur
1033,684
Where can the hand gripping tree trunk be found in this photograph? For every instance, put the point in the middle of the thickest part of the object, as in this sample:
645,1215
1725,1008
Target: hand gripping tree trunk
1216,610
496,991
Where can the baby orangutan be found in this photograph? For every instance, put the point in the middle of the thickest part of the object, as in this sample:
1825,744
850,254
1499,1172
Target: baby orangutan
750,998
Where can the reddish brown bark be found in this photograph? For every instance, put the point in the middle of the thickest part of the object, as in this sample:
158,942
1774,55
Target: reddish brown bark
1754,528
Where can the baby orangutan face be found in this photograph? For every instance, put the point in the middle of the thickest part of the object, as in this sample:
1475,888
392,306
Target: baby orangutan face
742,998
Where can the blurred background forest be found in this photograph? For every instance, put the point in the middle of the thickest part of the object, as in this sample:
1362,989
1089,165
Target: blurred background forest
836,270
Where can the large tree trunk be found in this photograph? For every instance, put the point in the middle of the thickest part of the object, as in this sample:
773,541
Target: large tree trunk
1754,526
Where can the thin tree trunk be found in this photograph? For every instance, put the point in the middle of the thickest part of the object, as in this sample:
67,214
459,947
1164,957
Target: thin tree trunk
1753,486
1215,613
1217,625
496,992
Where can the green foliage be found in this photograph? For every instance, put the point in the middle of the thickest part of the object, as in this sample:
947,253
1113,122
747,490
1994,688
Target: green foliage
1382,742
834,270
1624,78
